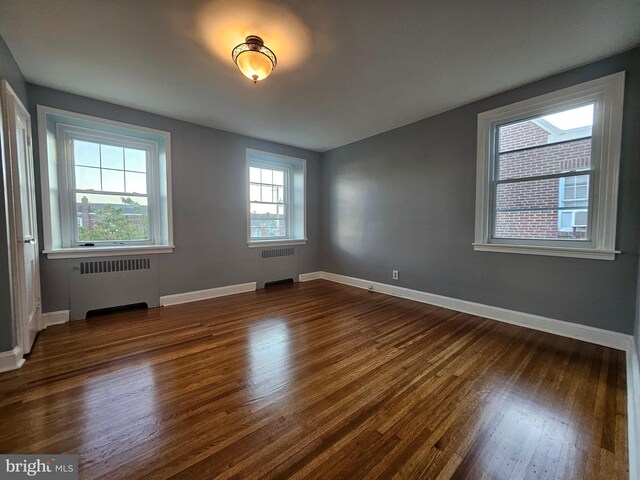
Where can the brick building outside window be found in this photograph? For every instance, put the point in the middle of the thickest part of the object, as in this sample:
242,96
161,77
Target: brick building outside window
554,208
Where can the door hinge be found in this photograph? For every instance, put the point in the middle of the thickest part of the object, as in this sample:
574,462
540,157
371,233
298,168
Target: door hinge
29,140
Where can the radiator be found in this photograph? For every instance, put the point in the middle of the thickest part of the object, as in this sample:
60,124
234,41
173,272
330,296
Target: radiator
105,283
277,264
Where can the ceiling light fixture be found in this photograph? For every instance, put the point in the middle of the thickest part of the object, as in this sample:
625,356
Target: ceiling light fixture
254,59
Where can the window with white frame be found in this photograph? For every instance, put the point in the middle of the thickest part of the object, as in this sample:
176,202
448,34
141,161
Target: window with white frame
548,173
106,186
276,198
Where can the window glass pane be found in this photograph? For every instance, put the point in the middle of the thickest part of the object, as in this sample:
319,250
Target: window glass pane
569,192
267,220
267,175
565,219
135,160
575,191
540,224
533,209
111,218
550,159
112,157
136,182
254,193
558,127
266,208
280,194
254,175
581,218
582,184
528,194
582,193
572,119
86,153
263,226
267,227
278,177
267,193
112,180
88,178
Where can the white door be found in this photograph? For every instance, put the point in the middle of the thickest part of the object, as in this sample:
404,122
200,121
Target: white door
22,222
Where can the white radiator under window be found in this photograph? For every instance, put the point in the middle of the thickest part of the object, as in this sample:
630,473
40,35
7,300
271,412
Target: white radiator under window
275,264
105,283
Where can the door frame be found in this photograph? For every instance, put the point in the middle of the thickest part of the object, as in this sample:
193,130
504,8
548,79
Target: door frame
9,102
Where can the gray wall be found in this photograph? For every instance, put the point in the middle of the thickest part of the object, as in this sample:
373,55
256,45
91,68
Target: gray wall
9,71
405,199
636,330
209,210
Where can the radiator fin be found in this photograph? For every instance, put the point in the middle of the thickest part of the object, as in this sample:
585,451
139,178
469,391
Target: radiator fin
109,266
278,252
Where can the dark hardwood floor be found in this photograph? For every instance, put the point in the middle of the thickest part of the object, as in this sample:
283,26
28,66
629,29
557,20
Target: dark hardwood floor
317,380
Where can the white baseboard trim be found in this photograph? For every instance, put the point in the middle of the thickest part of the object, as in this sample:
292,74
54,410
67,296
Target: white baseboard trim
187,297
306,277
11,360
55,318
585,333
633,411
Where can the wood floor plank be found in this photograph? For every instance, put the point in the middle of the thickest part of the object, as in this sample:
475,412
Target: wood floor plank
317,380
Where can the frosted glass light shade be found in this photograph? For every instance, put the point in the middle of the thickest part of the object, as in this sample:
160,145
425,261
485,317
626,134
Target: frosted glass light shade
254,59
254,65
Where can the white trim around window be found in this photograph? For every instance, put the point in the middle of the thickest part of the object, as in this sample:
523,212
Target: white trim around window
57,132
606,94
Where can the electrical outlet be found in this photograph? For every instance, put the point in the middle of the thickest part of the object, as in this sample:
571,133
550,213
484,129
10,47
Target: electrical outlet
395,274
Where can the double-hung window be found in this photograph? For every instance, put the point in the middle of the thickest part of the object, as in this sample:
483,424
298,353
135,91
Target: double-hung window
111,185
105,186
276,199
548,173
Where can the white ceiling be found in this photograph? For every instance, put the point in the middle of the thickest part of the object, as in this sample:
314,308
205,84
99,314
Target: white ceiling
348,69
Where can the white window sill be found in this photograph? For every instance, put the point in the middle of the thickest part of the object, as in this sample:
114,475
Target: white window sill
276,243
87,252
548,251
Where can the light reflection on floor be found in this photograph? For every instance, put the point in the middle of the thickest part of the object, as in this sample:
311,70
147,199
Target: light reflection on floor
269,358
136,391
523,425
